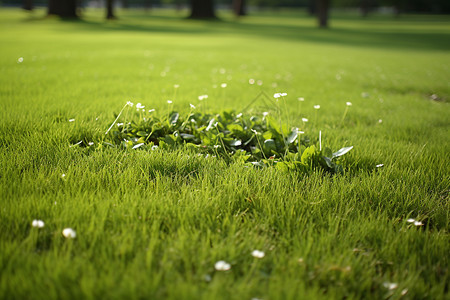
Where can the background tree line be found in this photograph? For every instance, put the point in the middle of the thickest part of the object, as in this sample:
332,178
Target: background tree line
407,6
206,8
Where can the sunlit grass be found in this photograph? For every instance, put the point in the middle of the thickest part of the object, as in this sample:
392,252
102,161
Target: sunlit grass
173,225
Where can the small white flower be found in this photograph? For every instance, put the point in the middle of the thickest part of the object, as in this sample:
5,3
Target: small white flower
139,106
380,121
348,103
176,86
223,85
278,95
216,146
169,101
91,143
304,120
38,223
69,233
19,60
222,265
404,292
316,106
202,97
265,114
379,165
63,175
154,147
192,106
301,99
254,131
119,124
258,254
130,104
259,82
251,81
71,120
390,285
238,115
415,222
151,110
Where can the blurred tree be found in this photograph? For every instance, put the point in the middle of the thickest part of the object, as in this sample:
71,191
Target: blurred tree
28,4
202,9
239,7
63,8
147,5
322,7
312,7
125,4
110,10
366,6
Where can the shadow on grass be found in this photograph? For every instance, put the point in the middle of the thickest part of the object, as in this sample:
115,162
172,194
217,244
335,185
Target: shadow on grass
384,33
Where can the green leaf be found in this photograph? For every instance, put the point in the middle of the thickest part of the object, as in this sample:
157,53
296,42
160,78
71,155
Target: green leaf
141,133
342,151
308,155
284,166
235,128
328,162
187,136
292,136
269,146
174,118
327,152
267,135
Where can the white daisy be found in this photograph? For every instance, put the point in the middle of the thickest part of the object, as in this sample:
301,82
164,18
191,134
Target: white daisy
222,265
69,233
258,254
38,223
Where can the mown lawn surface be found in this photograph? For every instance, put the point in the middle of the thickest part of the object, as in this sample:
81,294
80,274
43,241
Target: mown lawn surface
152,224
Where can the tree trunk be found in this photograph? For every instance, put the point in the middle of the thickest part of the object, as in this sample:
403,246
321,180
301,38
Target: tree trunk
110,10
365,8
239,8
147,5
63,8
322,12
28,5
312,7
202,9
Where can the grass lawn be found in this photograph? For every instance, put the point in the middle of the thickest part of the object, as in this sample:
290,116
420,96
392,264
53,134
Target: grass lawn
153,224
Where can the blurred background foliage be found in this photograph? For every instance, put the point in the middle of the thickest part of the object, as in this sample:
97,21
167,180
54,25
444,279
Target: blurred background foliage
395,6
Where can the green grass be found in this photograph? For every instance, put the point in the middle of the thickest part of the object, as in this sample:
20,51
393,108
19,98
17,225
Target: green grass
151,225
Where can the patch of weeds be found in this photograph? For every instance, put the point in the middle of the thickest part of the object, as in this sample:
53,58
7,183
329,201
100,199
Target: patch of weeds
259,140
